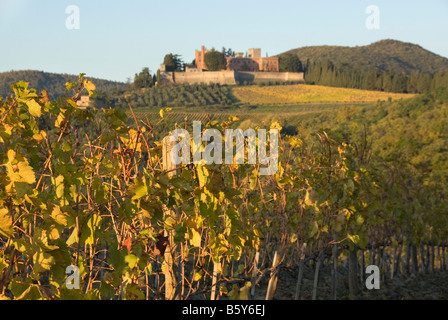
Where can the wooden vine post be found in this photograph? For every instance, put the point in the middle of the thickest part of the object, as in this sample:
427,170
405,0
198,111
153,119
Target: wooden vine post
169,271
216,268
254,274
272,286
300,276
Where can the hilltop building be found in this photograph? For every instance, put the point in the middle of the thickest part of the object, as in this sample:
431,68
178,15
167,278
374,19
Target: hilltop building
252,63
252,69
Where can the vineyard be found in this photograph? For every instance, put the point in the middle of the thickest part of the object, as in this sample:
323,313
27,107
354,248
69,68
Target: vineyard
188,95
93,188
302,93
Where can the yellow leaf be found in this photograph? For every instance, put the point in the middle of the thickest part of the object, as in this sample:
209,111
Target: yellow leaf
89,85
276,125
161,113
354,238
195,238
59,216
26,173
11,155
197,276
34,108
258,233
310,197
59,184
42,261
170,223
6,229
131,260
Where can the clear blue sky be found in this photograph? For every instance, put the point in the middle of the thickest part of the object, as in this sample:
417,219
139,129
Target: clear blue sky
117,39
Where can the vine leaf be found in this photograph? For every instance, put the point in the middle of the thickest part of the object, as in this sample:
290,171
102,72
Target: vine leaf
128,244
6,229
34,108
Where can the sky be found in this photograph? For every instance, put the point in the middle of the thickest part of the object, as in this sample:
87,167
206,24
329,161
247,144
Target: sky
116,39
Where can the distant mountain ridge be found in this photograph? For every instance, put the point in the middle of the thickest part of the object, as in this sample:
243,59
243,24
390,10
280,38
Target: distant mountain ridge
54,83
392,55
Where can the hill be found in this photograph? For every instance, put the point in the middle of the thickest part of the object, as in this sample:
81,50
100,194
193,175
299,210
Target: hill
391,55
52,82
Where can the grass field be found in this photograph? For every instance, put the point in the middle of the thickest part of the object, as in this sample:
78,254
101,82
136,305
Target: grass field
302,93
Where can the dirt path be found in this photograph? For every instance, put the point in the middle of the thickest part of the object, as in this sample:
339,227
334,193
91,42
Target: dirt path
432,286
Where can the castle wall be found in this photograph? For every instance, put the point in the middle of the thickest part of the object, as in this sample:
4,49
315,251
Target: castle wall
229,77
263,77
166,77
222,77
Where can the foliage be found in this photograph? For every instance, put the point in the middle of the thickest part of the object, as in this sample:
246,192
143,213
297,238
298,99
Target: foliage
385,55
215,61
176,95
289,63
173,62
86,188
228,52
143,79
345,75
53,83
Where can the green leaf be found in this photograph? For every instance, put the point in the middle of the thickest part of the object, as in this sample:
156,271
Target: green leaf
70,85
234,293
3,263
203,175
24,290
140,190
244,291
34,108
133,292
32,293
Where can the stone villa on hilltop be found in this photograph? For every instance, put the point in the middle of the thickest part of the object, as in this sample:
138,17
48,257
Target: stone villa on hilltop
254,62
252,69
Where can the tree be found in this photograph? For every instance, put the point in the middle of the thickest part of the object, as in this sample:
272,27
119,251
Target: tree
215,61
143,79
173,62
228,52
399,83
290,63
424,82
